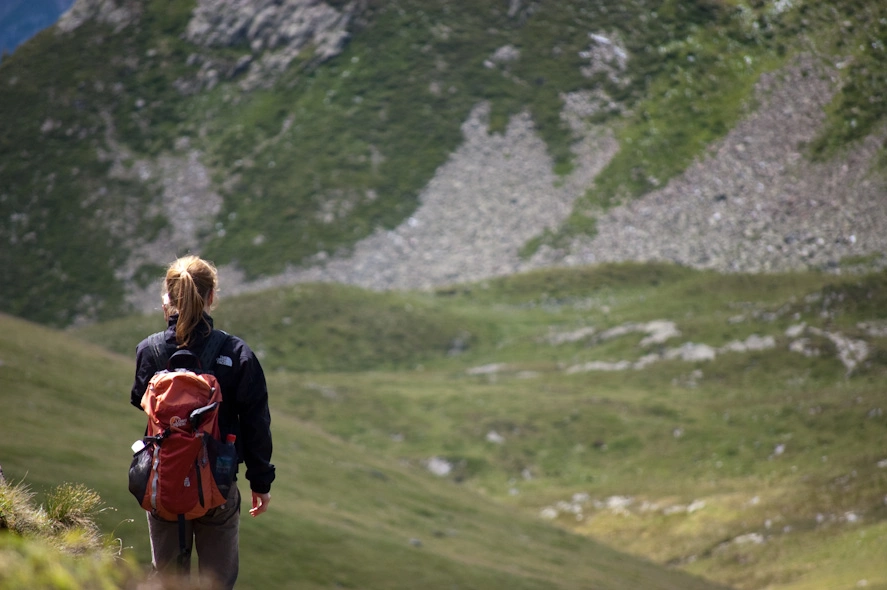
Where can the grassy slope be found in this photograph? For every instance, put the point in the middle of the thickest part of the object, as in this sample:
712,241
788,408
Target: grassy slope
611,434
321,327
333,152
341,516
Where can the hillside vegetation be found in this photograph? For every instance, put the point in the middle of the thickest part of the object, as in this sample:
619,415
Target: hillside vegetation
728,426
129,138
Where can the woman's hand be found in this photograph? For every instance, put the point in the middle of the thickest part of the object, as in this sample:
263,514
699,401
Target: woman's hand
260,503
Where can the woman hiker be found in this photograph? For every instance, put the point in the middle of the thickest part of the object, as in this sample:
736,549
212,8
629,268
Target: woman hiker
189,292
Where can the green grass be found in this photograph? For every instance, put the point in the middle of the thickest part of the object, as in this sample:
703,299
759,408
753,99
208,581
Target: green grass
341,514
318,327
771,443
610,434
57,544
35,563
858,108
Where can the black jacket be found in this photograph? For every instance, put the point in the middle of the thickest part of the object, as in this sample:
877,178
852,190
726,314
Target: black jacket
244,410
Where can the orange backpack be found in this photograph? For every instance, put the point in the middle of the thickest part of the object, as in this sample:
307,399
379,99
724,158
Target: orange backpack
180,469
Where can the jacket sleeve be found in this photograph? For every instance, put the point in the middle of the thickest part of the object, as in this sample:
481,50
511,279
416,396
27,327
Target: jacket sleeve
144,370
255,423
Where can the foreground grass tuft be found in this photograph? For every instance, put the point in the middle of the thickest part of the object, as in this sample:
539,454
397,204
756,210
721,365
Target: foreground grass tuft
58,545
67,520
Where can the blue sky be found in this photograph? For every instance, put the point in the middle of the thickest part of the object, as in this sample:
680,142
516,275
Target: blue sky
22,19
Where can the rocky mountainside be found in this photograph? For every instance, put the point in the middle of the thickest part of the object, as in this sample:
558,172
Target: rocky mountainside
412,145
751,203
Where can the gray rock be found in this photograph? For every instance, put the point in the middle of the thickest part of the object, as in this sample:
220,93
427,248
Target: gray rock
276,31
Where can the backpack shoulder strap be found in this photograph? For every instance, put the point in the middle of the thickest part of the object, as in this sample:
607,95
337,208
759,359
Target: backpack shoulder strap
211,350
160,351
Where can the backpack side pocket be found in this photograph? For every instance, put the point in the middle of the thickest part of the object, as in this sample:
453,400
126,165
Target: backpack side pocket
140,471
223,464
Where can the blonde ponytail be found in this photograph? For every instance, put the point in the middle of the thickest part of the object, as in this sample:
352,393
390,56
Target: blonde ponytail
190,284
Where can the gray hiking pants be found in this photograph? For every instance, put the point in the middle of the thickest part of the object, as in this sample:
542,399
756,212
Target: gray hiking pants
215,535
